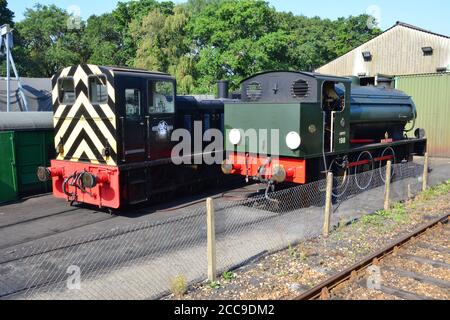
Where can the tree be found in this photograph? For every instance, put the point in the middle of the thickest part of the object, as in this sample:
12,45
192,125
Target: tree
352,32
225,40
103,41
48,42
195,7
6,15
162,46
124,14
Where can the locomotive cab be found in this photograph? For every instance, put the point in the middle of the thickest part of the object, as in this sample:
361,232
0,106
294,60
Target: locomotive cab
146,114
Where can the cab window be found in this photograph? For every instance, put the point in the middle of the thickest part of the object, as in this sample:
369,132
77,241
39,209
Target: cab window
98,90
66,91
133,103
333,98
161,97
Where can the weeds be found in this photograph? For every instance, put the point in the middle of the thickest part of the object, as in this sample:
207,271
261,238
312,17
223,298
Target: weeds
214,285
179,286
228,276
435,191
292,251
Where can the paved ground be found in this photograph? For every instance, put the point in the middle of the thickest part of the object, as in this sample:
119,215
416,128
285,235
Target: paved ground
40,237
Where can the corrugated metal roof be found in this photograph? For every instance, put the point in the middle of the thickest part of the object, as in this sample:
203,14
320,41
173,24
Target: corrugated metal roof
407,25
20,121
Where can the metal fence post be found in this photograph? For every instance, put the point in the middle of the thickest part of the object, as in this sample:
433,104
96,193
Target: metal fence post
328,205
212,273
425,173
387,190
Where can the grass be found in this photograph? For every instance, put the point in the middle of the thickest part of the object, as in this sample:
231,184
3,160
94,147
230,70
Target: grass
299,253
292,251
398,213
179,286
435,191
228,276
214,285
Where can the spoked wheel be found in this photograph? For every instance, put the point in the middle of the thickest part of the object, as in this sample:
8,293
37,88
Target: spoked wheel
382,163
364,170
341,176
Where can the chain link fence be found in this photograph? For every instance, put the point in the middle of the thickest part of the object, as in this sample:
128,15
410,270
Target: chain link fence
146,260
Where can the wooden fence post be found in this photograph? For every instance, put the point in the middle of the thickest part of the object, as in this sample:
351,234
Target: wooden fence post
328,205
387,190
211,232
425,173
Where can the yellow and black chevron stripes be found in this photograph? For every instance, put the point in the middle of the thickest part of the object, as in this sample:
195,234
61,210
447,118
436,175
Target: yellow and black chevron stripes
85,130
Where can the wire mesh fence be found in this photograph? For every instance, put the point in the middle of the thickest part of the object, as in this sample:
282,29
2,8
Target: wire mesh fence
146,260
135,262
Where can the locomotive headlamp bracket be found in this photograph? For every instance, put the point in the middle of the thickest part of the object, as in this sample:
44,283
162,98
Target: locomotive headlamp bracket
60,149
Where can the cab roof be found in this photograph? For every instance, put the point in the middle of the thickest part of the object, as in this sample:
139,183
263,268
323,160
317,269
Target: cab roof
315,75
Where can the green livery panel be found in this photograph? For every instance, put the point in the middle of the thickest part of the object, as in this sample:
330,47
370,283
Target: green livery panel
8,175
269,122
22,153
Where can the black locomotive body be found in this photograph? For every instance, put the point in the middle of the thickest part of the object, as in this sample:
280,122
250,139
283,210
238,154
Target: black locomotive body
113,136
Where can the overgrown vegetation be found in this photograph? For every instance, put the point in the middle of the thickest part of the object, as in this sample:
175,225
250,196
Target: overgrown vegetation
179,286
199,42
398,213
435,191
227,276
214,285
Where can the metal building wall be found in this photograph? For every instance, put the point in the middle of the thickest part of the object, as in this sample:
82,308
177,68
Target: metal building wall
431,93
396,51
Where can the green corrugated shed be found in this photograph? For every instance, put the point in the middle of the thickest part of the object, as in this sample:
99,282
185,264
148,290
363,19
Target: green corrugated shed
431,93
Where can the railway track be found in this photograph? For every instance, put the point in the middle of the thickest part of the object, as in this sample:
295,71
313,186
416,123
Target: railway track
417,267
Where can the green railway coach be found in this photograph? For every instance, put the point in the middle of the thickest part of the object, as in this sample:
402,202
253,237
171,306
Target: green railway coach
26,142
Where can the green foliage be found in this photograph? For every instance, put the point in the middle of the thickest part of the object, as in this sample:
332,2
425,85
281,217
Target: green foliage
397,213
103,40
199,41
179,286
127,12
233,39
228,276
214,285
435,191
47,42
6,15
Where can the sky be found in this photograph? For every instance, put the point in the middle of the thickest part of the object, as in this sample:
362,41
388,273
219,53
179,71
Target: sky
433,15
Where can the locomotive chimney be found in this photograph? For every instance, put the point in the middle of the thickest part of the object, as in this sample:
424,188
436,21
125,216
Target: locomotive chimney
223,89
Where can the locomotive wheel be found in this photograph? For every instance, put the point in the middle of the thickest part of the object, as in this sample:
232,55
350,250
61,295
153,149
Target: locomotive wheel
363,181
341,177
382,164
